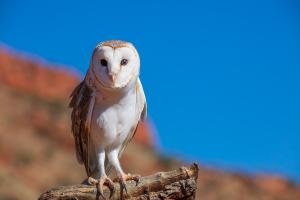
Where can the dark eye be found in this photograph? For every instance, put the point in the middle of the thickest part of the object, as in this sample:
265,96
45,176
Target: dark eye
103,62
124,62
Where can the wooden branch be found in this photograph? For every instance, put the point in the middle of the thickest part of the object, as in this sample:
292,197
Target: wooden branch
178,184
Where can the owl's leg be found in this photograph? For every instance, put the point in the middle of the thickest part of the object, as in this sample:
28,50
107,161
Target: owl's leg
104,179
121,176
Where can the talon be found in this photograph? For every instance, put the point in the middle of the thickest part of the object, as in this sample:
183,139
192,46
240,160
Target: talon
121,181
137,179
111,186
107,182
92,181
126,177
133,177
122,187
100,189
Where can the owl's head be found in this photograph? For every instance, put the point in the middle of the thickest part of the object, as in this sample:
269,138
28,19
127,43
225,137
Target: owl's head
115,64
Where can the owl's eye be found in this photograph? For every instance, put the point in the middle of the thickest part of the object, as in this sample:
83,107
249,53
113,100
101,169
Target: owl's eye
124,62
103,62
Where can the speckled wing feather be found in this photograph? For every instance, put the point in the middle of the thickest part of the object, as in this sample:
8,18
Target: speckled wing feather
141,111
82,102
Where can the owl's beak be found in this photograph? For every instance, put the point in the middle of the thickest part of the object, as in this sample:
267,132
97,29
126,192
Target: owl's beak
112,77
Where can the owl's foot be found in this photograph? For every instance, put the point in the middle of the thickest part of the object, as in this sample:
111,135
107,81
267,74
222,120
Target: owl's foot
126,177
104,180
92,181
133,177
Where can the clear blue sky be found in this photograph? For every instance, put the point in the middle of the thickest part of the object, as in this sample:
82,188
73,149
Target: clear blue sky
222,77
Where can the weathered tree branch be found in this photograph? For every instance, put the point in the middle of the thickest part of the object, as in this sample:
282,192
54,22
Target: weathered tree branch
178,184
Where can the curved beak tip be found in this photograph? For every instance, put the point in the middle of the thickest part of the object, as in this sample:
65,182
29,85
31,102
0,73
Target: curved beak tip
112,77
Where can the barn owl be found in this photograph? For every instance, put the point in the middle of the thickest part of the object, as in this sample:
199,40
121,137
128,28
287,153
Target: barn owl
106,109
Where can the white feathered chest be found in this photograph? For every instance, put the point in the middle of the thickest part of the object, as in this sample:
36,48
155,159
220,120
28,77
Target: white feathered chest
113,119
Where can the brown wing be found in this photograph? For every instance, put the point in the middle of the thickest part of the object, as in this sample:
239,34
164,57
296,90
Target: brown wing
141,111
82,103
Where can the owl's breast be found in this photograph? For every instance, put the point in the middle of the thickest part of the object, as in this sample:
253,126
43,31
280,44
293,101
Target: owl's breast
110,125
